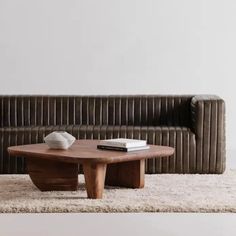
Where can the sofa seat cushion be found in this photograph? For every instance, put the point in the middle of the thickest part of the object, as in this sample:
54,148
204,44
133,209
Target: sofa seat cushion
181,138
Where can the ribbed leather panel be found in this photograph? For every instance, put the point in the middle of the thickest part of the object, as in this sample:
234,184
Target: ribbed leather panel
163,120
18,111
208,123
184,160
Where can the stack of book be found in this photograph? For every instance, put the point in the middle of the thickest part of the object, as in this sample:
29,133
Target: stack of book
122,144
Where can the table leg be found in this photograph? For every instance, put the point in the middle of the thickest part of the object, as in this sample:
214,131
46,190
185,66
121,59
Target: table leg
50,175
94,179
126,174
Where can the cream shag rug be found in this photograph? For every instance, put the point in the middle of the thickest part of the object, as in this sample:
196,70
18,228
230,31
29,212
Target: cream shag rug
162,193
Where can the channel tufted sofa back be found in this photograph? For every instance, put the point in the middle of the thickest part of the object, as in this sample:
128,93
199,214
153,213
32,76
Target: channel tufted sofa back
18,111
193,125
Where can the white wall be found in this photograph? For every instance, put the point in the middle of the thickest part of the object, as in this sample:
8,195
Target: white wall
120,47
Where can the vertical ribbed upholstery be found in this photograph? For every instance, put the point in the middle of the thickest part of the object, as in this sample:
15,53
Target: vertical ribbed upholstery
16,111
176,121
208,123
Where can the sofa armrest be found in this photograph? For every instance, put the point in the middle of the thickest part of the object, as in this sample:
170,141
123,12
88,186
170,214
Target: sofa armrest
208,124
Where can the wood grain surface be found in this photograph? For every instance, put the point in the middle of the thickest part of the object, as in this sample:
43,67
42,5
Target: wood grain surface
52,169
85,151
50,175
126,174
94,175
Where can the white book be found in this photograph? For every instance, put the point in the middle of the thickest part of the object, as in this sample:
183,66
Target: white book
124,149
123,142
137,148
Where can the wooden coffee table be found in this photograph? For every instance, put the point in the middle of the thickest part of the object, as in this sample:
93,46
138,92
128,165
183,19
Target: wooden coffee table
58,169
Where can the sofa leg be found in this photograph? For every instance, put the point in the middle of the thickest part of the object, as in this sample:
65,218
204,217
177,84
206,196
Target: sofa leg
126,174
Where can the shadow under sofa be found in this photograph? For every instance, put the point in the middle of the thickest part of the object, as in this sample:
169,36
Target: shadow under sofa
193,124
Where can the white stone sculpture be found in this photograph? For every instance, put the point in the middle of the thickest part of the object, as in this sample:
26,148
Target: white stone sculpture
59,140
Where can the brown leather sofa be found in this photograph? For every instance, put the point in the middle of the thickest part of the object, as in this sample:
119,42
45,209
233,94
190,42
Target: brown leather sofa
194,125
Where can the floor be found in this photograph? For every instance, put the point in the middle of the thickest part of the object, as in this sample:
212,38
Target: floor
163,224
118,224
